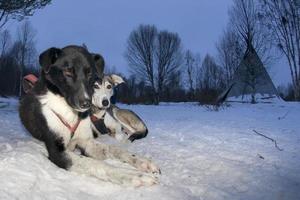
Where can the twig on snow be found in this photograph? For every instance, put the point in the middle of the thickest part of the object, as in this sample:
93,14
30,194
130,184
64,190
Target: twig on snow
260,156
269,139
284,116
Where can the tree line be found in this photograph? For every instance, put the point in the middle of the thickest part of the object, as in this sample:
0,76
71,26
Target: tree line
162,71
160,68
18,57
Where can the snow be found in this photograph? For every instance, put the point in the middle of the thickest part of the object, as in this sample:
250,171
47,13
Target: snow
259,98
203,154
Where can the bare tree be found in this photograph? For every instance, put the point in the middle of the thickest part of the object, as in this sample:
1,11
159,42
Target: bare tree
153,57
169,58
24,49
210,81
230,53
244,20
19,9
140,53
189,62
197,66
193,65
282,17
5,41
211,74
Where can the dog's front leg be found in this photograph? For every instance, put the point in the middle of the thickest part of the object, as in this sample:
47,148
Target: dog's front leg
106,172
101,151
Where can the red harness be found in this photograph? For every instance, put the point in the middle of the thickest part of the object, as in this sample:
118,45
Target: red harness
31,78
94,118
72,129
28,82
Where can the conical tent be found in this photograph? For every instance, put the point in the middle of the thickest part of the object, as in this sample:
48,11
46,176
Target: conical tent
251,81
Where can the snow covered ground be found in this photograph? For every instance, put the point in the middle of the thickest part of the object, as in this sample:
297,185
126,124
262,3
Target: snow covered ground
202,154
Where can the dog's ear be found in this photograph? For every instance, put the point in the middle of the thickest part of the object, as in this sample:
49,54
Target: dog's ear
117,79
84,46
48,57
99,62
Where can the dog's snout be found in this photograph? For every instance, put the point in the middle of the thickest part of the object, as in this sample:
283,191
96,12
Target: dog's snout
105,102
85,104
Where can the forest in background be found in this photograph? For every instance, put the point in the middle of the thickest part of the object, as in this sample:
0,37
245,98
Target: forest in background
160,68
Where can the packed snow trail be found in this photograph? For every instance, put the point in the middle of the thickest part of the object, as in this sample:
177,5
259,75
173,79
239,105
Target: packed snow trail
202,154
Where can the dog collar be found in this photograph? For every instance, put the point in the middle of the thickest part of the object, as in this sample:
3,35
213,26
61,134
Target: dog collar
94,118
72,129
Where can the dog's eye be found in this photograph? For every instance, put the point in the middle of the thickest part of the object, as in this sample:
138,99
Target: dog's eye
69,72
88,73
96,86
108,87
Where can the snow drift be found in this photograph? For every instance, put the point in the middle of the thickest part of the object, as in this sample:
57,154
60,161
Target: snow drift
202,154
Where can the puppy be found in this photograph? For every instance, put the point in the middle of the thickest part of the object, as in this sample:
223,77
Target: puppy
56,111
119,123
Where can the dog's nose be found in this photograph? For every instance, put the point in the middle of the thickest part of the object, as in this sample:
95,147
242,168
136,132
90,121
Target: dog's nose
105,102
85,104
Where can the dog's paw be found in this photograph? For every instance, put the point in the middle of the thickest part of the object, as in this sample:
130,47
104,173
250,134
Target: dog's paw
148,166
133,178
72,145
144,180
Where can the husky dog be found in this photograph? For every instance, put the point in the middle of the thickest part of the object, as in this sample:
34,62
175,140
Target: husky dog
56,111
118,122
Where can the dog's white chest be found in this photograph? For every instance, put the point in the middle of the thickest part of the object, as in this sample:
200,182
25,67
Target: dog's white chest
56,110
84,130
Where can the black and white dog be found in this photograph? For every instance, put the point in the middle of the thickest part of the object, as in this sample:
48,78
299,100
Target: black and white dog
57,110
119,123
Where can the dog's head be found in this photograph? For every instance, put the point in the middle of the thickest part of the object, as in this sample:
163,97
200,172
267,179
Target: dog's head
103,90
71,73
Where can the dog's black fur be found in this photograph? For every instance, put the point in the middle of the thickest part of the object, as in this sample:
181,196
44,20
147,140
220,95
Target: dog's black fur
69,72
